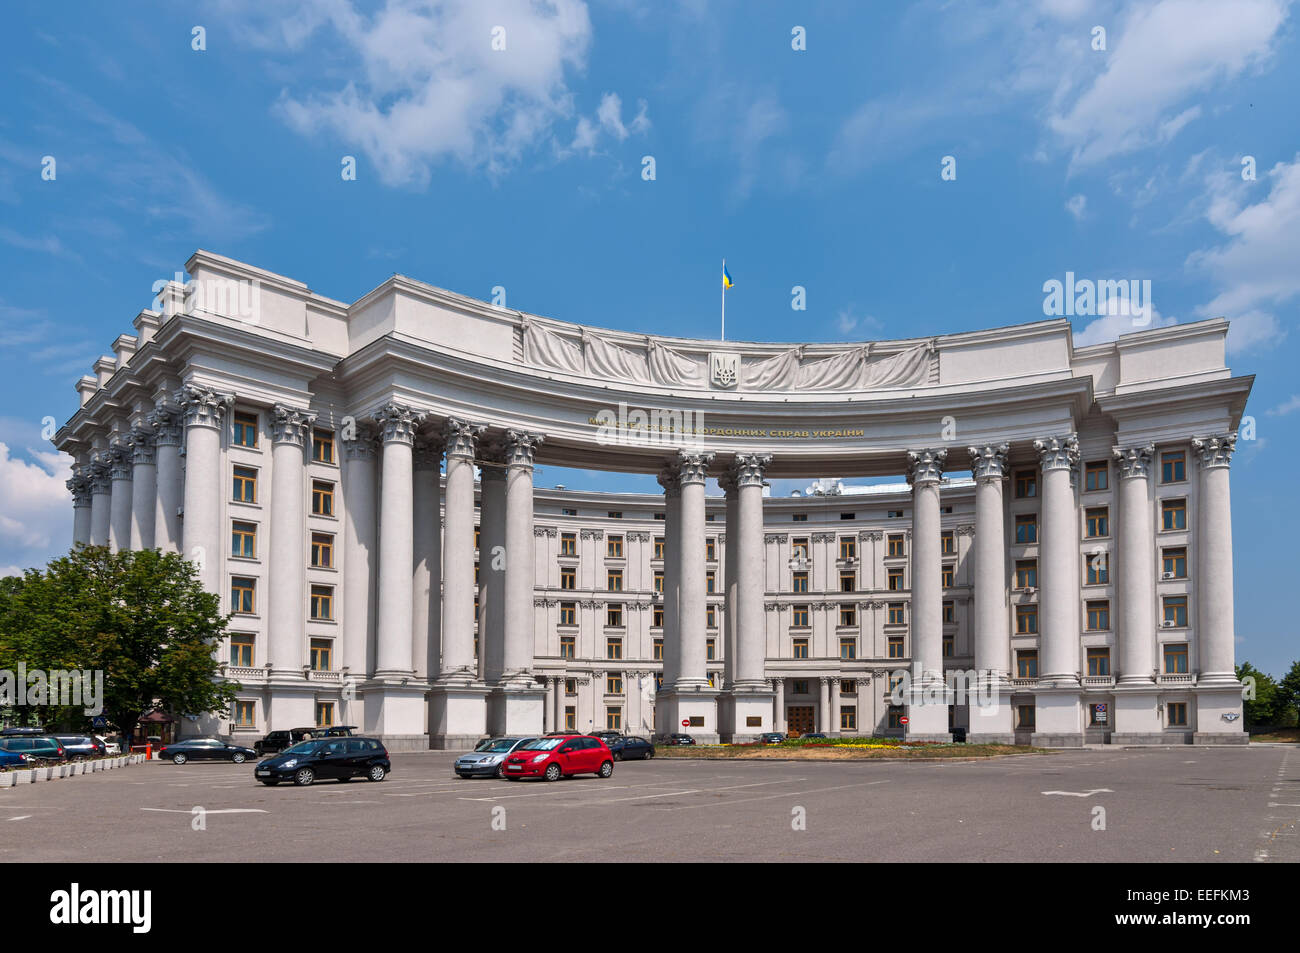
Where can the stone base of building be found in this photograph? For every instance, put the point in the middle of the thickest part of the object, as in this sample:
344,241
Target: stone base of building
926,719
394,709
516,711
1220,738
1143,738
457,716
744,715
990,724
405,742
1041,739
699,708
991,739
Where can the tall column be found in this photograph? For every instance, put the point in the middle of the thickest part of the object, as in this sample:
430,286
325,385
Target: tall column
670,481
1060,622
426,584
101,499
397,425
165,422
287,572
1214,603
82,497
748,708
778,722
692,608
457,700
144,487
1134,577
521,569
492,569
204,410
731,562
119,523
927,710
360,538
824,708
990,718
836,700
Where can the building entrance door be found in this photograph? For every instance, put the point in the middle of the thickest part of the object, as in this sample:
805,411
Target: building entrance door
801,719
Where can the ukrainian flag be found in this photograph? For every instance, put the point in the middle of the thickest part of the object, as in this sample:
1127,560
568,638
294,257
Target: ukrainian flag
726,278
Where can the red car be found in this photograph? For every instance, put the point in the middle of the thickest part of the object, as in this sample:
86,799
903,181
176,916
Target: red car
558,756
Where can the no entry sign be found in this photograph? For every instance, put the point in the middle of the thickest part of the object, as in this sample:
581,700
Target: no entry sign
903,720
686,723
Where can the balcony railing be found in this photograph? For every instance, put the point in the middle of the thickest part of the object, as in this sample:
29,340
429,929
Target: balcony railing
1098,681
244,674
1025,682
324,675
1172,679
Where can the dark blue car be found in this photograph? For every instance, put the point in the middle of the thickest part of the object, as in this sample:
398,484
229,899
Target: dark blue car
13,759
630,746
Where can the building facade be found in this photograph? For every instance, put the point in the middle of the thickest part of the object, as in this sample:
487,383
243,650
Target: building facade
1051,564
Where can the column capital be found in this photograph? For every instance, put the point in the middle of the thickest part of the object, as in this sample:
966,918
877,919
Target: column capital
397,423
727,482
1058,453
925,466
361,443
1216,451
165,422
101,480
747,468
427,452
521,447
120,457
989,462
203,406
462,438
290,425
693,465
1135,461
80,484
143,443
671,481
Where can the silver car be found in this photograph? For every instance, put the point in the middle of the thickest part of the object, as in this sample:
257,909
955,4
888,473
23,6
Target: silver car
487,757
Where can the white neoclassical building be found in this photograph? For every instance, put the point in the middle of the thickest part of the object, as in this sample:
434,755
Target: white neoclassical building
1052,563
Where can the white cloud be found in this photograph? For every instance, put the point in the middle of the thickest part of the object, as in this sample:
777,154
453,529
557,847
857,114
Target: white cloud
846,323
35,509
1109,327
1287,407
608,119
1077,205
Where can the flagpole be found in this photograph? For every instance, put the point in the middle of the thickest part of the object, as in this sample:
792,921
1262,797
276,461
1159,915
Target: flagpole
724,301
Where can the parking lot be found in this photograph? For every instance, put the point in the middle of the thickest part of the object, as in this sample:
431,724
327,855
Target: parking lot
1182,804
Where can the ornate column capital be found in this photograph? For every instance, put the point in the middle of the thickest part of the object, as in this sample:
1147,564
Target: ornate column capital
101,480
165,422
120,457
1215,451
693,466
427,452
727,482
397,423
747,468
291,425
671,481
925,466
80,484
143,443
203,406
1134,462
521,447
360,441
1058,453
462,438
989,462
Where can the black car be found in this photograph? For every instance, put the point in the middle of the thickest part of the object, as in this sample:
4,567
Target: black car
771,738
80,747
333,731
607,735
679,739
279,740
630,746
318,759
205,749
812,734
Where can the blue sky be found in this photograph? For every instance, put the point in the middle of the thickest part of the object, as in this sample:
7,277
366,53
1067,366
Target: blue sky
522,168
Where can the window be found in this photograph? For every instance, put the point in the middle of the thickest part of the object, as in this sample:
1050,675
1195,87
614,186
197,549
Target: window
947,574
245,485
848,648
568,613
711,549
1098,662
849,718
659,650
570,718
245,432
478,533
1027,528
799,518
1096,475
322,603
1177,714
567,646
895,614
1098,715
710,649
1026,573
614,614
568,544
614,580
711,581
322,550
949,646
614,547
322,653
800,687
614,719
895,514
1173,563
1026,620
799,548
245,714
570,686
848,686
948,543
895,722
848,581
949,612
241,650
243,540
568,577
896,646
616,514
800,648
322,498
895,682
1173,514
1173,466
894,545
1026,484
1098,521
799,582
324,714
848,547
1027,663
799,617
1099,569
710,617
658,548
566,511
1098,615
1025,717
659,581
895,579
1175,610
848,614
1176,658
848,516
613,683
241,594
657,617
322,446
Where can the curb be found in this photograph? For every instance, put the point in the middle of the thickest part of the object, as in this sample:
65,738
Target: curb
68,769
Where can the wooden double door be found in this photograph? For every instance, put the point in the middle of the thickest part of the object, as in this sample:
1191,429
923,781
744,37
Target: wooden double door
801,719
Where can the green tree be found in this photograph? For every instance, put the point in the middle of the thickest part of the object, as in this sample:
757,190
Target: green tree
1262,710
1288,693
140,617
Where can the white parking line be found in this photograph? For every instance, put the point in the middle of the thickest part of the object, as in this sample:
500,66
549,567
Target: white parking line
20,817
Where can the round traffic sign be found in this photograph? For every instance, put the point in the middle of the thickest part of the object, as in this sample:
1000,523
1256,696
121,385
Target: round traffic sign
686,723
903,720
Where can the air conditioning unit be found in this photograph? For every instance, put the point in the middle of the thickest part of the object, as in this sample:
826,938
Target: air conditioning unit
1166,623
1166,575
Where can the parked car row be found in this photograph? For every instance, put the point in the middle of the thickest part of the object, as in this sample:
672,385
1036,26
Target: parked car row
37,747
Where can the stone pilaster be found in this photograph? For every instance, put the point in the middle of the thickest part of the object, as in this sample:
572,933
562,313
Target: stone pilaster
991,723
205,412
287,568
144,486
